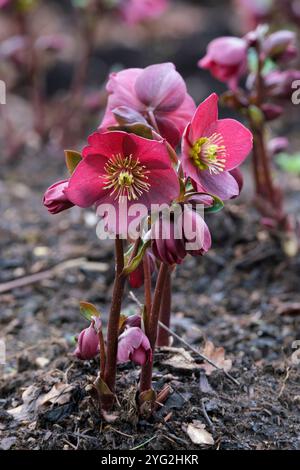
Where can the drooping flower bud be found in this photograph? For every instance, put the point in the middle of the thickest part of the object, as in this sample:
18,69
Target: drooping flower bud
136,278
134,346
238,176
226,59
87,343
281,45
277,145
279,83
271,111
55,199
178,234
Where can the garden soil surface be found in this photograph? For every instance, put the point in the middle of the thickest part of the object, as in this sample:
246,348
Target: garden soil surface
243,296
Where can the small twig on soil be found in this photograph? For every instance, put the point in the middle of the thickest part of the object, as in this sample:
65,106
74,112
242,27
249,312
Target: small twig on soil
207,418
171,332
42,275
144,443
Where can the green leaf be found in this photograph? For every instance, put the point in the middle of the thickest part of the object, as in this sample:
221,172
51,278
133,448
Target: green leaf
142,130
73,158
133,265
102,388
256,115
289,163
88,311
216,207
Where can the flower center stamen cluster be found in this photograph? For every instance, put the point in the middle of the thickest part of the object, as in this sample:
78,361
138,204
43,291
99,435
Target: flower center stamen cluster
126,177
209,153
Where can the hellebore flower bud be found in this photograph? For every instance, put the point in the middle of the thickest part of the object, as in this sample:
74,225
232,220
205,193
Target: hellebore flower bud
87,343
55,199
226,59
136,278
238,176
178,235
271,111
281,45
134,346
277,145
133,320
279,83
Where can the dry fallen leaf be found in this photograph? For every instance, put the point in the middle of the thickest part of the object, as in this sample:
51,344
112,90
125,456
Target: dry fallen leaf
216,355
59,394
181,359
25,411
198,434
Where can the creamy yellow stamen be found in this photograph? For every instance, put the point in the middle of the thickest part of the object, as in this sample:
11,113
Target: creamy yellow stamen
126,177
209,153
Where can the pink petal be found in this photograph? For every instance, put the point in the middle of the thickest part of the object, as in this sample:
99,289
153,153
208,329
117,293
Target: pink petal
223,185
139,356
205,115
161,87
237,140
107,144
86,185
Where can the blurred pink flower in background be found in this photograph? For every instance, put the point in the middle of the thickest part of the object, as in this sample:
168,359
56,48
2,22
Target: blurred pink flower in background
136,11
134,346
254,12
226,59
3,3
281,45
212,148
157,93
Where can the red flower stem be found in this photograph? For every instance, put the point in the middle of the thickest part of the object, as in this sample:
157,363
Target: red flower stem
147,290
114,317
146,374
261,161
102,353
165,312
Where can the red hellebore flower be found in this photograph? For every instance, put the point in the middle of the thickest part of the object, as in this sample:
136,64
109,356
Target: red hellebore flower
173,238
119,165
87,343
157,93
134,346
55,198
135,11
212,148
226,59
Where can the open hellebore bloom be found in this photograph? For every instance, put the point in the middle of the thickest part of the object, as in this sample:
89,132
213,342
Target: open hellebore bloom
135,11
212,148
134,346
55,199
157,93
226,59
87,343
117,166
136,278
177,234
